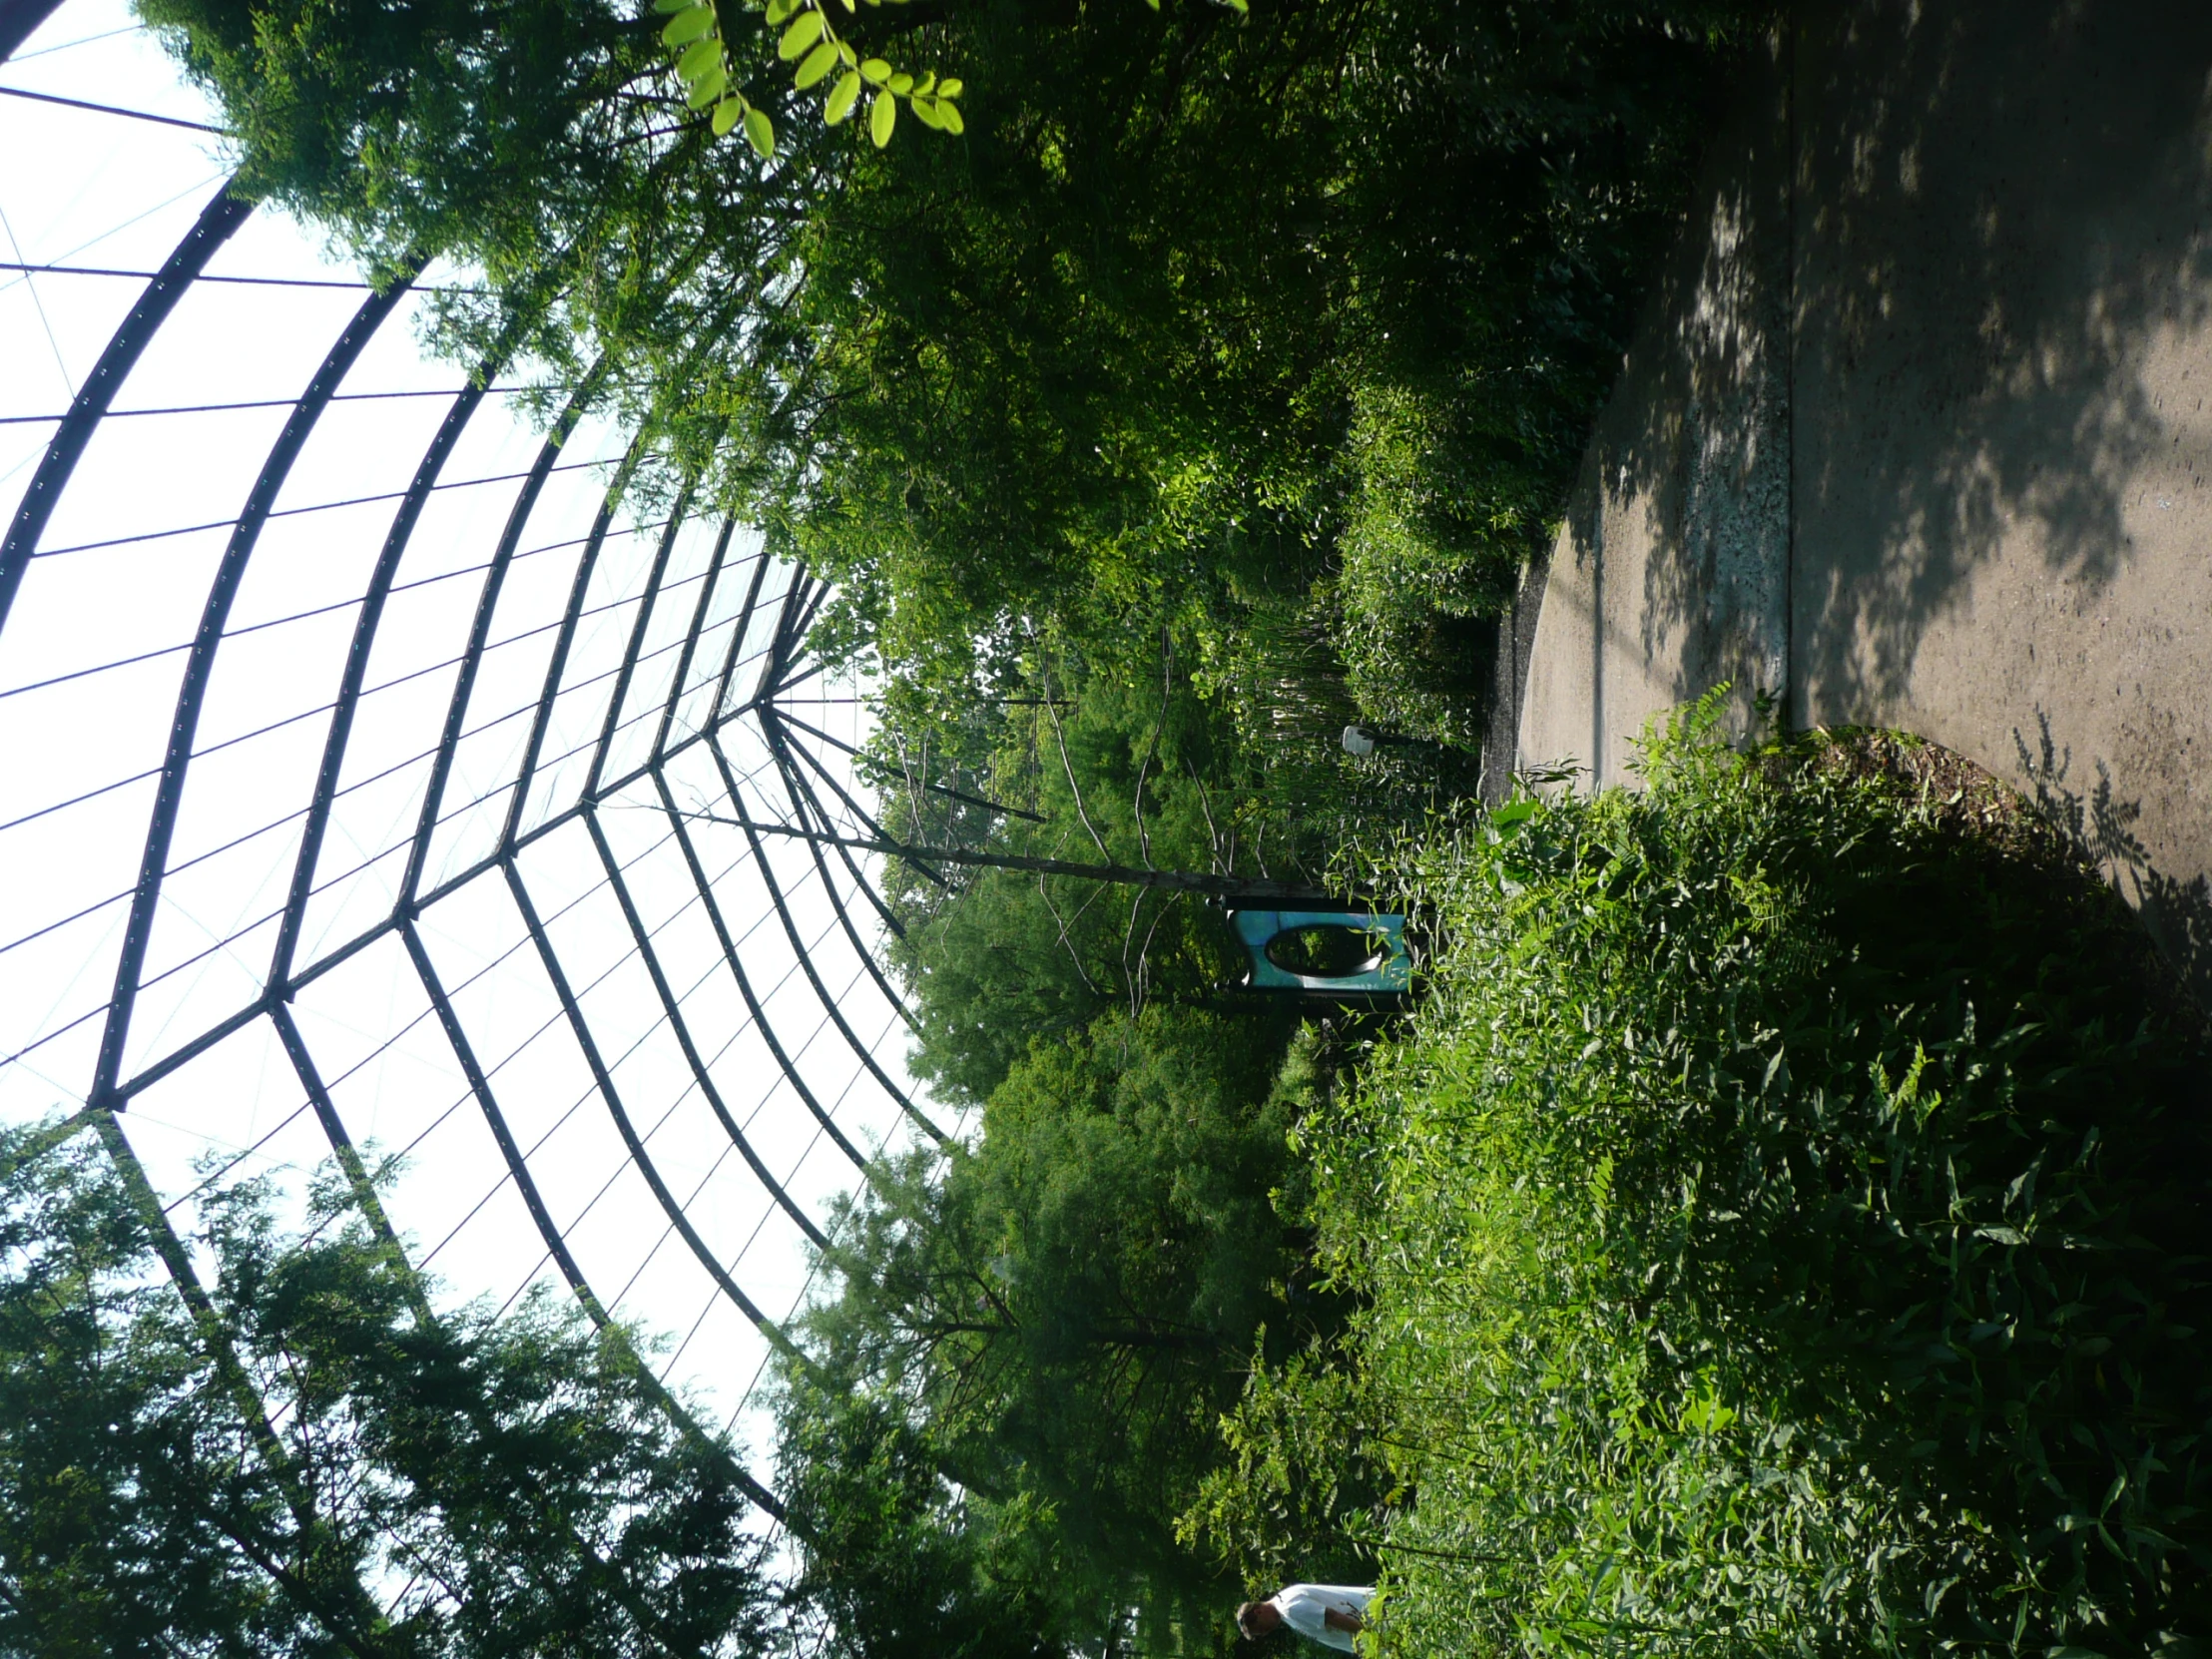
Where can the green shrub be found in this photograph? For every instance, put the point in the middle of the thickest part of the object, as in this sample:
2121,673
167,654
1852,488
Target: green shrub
1776,1231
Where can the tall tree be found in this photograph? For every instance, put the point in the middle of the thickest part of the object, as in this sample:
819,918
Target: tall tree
303,1460
1053,1321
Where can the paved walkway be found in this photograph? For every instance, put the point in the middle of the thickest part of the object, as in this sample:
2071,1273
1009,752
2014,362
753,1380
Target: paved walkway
1914,430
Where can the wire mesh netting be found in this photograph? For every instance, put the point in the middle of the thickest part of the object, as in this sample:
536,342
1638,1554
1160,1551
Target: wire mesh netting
382,773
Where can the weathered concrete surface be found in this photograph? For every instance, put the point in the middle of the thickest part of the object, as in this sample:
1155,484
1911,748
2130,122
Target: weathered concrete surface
1988,283
1671,573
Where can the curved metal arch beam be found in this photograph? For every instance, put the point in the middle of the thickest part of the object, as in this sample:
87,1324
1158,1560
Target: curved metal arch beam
190,1050
579,589
778,656
690,638
705,886
200,666
681,1028
805,960
19,21
334,1131
371,617
479,628
805,800
646,606
715,714
555,1244
221,216
580,1027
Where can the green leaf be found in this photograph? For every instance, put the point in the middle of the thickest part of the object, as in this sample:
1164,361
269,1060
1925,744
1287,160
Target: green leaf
687,26
883,116
842,97
699,57
728,114
1509,819
759,132
778,10
925,111
822,60
950,87
708,88
926,82
875,71
666,6
806,29
901,84
952,122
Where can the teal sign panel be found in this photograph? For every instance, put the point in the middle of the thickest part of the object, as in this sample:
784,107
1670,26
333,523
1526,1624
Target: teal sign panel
1326,952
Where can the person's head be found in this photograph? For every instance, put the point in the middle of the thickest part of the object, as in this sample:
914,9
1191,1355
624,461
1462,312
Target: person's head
1258,1618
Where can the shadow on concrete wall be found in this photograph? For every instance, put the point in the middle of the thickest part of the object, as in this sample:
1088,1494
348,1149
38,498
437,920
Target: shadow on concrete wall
2093,816
1999,210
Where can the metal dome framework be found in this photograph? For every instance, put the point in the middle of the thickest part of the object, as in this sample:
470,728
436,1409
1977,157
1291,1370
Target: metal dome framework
426,801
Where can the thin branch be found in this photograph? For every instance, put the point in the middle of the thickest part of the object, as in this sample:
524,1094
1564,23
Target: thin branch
1060,737
1058,921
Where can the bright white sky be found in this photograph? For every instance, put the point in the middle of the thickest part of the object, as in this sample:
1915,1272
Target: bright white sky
115,580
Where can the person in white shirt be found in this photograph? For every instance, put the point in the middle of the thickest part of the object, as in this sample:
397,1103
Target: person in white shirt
1327,1613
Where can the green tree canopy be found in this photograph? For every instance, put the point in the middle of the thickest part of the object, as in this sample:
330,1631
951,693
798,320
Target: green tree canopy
301,1460
1031,1345
1206,311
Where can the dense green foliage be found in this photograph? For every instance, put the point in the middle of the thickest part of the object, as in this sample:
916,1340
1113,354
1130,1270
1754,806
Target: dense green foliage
1231,323
1144,774
1053,1321
1780,1230
1139,776
311,1463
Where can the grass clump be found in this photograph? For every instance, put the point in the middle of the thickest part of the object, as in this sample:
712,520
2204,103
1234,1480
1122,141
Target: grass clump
1779,1230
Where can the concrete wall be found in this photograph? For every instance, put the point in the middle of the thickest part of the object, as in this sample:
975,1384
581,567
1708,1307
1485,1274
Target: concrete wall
1915,428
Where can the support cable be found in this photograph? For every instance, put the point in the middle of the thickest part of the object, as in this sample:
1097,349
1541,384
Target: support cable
272,402
112,109
218,221
311,507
